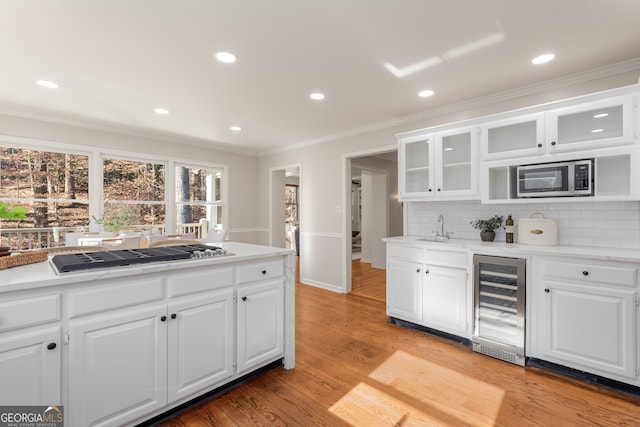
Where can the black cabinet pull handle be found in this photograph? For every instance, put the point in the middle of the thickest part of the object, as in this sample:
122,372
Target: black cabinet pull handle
264,271
429,189
585,273
173,316
426,271
163,319
418,270
553,143
51,346
439,189
539,145
244,298
547,290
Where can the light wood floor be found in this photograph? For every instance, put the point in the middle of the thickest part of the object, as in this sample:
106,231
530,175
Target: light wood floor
353,368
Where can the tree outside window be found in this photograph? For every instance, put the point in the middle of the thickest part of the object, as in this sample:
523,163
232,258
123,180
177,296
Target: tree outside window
291,203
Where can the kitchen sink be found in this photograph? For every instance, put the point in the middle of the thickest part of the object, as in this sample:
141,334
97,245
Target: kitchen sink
433,239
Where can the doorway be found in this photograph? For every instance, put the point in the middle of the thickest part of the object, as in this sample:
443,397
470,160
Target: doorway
284,207
372,213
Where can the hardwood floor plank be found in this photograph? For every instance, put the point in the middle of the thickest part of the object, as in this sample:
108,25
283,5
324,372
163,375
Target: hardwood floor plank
353,368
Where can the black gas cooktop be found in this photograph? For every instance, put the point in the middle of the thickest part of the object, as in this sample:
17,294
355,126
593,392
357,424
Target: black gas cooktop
78,262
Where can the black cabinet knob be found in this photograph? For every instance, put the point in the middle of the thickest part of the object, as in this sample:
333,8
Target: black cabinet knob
163,319
439,189
553,143
426,271
418,270
539,145
173,316
547,290
51,346
429,189
264,272
244,298
585,273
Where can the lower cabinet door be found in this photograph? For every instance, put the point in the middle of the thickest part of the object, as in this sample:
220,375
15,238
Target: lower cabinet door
260,324
30,368
589,328
445,299
200,343
404,290
117,367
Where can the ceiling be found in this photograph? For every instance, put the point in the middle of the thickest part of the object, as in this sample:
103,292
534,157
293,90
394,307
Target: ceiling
116,61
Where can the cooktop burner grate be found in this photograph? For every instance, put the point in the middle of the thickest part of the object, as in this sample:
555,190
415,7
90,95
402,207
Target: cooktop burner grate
68,263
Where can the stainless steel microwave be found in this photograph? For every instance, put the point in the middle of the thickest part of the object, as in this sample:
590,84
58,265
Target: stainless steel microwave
559,179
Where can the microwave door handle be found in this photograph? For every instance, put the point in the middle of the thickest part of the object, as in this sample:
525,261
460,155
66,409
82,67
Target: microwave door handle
571,172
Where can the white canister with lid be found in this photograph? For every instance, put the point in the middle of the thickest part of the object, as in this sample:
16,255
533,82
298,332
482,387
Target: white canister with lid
537,230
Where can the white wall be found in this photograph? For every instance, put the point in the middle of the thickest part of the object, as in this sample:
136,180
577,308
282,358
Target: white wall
324,246
243,169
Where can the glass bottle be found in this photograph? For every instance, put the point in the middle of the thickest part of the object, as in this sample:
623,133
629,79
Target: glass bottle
509,229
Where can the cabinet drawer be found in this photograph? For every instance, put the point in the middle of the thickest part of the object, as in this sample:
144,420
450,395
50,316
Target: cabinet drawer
588,273
25,312
259,271
199,281
446,258
113,295
408,253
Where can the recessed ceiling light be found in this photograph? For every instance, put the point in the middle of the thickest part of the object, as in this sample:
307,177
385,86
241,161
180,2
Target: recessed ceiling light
601,115
47,84
226,57
162,111
543,59
317,96
235,128
448,149
597,130
425,93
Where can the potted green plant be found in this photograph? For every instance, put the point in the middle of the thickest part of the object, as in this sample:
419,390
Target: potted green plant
488,227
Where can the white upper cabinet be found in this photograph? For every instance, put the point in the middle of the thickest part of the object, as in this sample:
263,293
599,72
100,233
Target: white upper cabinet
442,165
520,136
598,124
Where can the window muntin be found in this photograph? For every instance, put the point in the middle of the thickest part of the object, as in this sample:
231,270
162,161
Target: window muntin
133,193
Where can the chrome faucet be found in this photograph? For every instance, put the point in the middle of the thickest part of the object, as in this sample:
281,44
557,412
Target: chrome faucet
442,235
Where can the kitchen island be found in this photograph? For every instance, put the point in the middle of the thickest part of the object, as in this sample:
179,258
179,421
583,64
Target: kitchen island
122,345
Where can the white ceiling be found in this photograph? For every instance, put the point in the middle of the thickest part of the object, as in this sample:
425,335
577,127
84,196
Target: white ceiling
117,60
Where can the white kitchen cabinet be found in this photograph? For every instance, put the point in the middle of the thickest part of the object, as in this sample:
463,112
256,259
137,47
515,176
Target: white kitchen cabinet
260,323
429,287
445,299
404,290
519,136
30,367
200,343
598,124
585,316
442,165
118,366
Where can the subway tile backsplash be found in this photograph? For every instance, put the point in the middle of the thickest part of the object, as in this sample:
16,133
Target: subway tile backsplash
589,224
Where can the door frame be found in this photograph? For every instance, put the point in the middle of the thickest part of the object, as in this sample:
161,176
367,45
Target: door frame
346,201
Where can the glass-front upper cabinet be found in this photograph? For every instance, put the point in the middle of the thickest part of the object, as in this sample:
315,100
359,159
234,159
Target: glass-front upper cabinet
520,136
416,166
456,161
598,124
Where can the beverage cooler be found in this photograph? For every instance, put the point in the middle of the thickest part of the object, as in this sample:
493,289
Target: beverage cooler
499,307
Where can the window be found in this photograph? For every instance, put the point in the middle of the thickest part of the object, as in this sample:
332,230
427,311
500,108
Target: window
133,193
291,203
53,186
198,197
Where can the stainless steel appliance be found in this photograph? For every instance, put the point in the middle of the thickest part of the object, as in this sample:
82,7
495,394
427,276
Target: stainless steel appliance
559,179
499,309
81,262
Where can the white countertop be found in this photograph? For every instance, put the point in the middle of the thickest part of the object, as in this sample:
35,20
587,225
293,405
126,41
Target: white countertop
42,274
515,249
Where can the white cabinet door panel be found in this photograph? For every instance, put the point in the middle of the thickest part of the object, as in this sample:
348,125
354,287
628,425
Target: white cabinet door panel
200,343
445,299
404,290
30,368
118,367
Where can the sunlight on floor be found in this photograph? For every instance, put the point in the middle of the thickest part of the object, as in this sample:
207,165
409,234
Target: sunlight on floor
434,396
